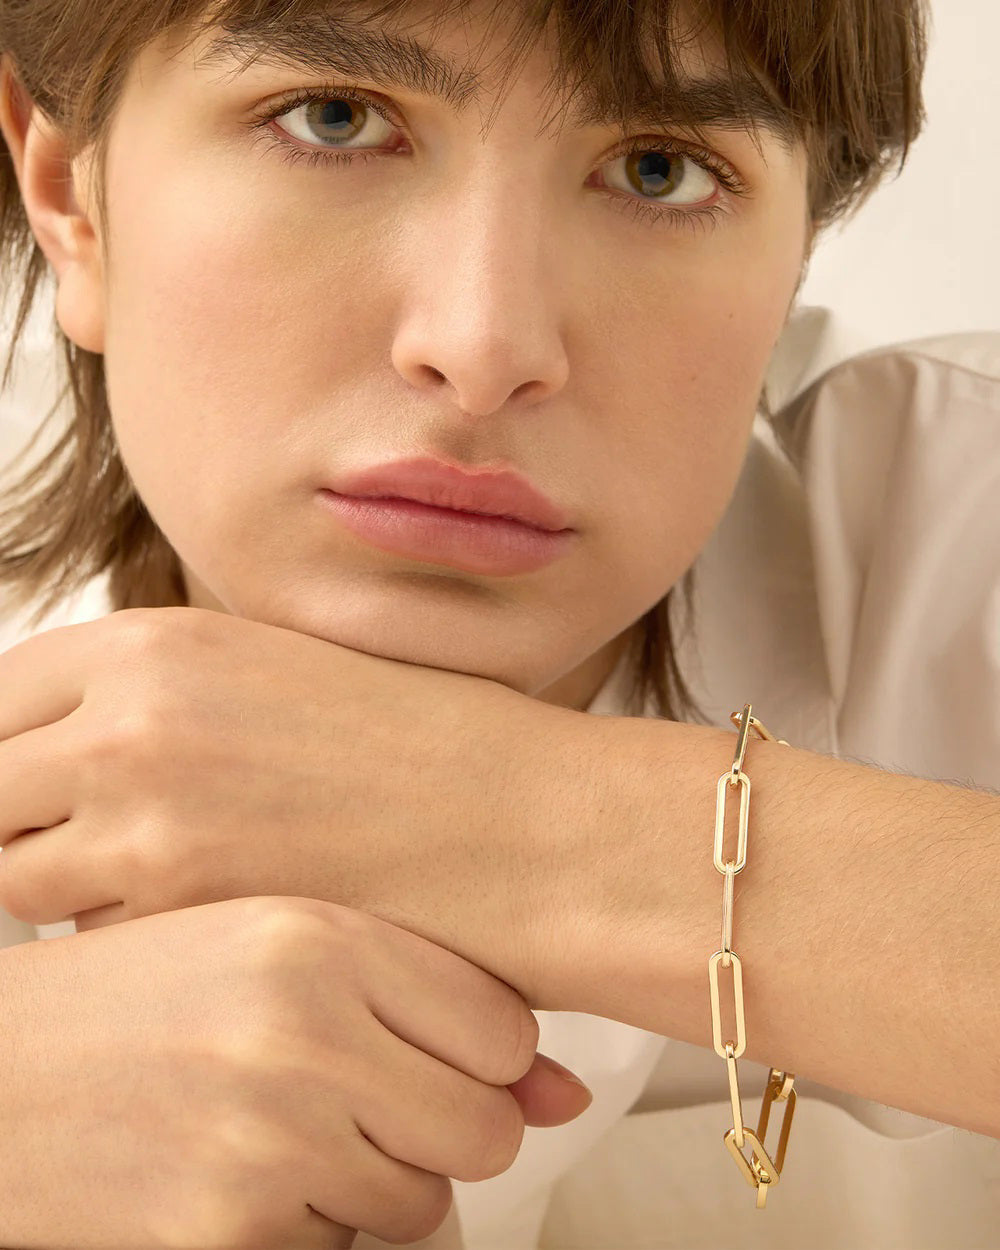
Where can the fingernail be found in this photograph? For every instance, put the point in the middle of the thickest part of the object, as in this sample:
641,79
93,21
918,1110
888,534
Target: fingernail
564,1073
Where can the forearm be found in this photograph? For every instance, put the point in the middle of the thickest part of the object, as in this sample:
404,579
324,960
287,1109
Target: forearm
865,918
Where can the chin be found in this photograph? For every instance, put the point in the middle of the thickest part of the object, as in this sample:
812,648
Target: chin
385,635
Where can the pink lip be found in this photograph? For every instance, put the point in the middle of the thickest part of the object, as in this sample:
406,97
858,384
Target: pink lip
429,481
491,523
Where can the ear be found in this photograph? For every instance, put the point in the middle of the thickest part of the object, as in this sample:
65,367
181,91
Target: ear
50,183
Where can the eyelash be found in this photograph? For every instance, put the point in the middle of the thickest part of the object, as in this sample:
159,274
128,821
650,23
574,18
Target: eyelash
693,219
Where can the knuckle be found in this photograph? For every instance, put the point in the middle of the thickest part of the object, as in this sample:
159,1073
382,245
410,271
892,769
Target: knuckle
220,1196
278,923
305,932
116,743
145,644
140,630
220,1220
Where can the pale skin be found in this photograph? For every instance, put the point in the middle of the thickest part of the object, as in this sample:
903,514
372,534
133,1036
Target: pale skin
581,348
540,345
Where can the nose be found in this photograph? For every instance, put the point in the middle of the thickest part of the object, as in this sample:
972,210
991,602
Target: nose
483,312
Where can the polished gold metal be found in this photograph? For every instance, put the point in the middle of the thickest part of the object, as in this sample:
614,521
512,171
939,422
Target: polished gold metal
721,793
713,978
734,1094
760,1170
727,917
778,1089
760,1177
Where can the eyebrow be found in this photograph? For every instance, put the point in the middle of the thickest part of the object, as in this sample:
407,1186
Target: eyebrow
323,43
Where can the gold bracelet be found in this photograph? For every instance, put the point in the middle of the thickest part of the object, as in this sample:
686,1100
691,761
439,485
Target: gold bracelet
761,1170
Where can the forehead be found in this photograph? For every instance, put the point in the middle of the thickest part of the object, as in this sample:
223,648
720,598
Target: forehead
442,50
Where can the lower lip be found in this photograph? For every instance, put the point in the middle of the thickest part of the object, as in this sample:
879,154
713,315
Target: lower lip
463,540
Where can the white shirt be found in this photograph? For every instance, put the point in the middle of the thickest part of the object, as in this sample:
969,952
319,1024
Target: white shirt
851,593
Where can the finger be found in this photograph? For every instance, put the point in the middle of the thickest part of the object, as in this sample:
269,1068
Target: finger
383,1197
420,1111
35,885
464,1016
42,879
37,780
101,917
43,678
546,1098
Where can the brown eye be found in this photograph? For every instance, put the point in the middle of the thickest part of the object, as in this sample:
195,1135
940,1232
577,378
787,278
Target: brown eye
661,175
336,121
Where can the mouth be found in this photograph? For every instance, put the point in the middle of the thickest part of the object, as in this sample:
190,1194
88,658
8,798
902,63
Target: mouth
504,495
473,542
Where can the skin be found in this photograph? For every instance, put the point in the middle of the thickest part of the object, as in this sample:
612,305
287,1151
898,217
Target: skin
483,298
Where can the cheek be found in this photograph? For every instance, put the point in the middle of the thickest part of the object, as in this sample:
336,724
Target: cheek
221,341
734,321
201,316
693,385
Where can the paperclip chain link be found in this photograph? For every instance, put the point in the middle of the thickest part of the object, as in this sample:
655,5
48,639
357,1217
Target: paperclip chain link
760,1171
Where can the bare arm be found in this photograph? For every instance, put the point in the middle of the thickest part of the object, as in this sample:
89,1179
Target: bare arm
866,917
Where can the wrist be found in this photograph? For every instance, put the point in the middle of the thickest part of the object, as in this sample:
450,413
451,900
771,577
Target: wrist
630,811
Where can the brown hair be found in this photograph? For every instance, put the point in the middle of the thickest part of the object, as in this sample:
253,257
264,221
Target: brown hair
845,77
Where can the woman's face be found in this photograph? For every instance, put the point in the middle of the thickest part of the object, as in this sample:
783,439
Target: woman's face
270,326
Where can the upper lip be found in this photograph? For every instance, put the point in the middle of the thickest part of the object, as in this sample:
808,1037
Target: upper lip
429,481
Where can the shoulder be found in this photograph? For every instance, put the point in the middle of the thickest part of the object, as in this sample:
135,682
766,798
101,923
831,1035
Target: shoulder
872,400
897,451
889,438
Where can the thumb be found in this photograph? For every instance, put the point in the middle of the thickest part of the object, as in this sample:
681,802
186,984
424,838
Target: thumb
550,1094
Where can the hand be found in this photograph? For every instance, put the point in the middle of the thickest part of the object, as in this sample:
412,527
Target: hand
165,758
258,1072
